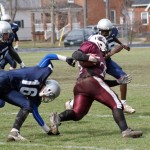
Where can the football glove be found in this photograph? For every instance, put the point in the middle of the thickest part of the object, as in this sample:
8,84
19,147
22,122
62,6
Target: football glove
125,79
71,61
22,65
16,47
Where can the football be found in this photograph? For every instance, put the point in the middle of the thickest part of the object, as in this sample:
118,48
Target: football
87,64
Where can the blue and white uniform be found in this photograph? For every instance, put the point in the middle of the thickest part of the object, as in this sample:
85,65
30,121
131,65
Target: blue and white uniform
113,68
21,87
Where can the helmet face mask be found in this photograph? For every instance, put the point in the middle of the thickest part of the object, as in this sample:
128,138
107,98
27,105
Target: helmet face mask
50,91
100,41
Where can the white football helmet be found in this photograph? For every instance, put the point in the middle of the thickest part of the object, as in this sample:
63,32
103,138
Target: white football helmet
104,24
100,41
50,91
4,28
5,17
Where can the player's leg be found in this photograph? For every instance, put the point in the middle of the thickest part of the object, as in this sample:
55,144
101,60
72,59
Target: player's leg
116,71
17,99
11,61
107,96
3,63
81,107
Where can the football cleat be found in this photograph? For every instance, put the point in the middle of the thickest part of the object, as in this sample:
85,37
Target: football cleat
54,123
69,105
129,133
128,109
15,136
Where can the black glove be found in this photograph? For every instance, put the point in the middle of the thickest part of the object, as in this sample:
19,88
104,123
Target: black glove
50,133
71,61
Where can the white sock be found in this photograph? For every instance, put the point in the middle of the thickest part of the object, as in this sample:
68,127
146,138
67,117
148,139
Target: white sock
71,103
14,129
123,102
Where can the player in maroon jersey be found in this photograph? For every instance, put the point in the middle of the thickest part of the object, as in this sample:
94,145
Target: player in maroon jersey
91,86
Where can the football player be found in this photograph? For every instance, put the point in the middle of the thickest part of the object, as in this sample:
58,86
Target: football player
27,88
106,29
91,86
14,28
12,37
7,53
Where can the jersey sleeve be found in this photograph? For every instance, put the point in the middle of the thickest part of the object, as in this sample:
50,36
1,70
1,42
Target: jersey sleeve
15,55
39,119
46,60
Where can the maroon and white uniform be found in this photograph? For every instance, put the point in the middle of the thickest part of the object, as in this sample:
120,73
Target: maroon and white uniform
90,84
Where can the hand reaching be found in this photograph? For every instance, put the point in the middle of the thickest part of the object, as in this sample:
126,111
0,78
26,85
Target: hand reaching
125,79
71,61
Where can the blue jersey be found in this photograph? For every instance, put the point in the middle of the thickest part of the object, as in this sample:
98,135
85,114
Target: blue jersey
21,87
110,38
15,28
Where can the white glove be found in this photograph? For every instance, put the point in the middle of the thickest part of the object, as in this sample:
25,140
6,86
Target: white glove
22,65
16,47
93,58
125,79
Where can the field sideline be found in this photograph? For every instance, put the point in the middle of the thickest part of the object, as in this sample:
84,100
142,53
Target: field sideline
97,130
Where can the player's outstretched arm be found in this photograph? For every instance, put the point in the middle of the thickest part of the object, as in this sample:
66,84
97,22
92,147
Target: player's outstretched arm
16,57
40,121
46,60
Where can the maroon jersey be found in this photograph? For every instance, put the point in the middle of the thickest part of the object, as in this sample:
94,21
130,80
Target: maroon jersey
90,85
99,69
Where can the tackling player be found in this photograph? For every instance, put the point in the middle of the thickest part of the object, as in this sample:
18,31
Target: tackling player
26,88
91,86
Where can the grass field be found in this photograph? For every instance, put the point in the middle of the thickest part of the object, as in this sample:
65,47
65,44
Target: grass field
97,130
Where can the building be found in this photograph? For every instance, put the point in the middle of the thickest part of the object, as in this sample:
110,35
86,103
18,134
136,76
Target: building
38,19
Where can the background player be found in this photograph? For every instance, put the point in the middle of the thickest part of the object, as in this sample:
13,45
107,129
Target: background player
14,28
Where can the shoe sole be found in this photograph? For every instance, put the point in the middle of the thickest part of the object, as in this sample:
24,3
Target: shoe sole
53,126
12,138
129,112
133,135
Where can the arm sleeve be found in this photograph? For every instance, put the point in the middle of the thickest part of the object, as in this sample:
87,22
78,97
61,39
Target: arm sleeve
16,37
15,55
80,56
111,83
46,60
39,119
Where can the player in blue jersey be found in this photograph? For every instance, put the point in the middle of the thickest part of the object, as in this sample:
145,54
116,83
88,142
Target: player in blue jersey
91,86
12,37
14,28
6,46
106,29
7,53
26,88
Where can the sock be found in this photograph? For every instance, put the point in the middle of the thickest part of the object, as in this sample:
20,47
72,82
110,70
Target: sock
14,129
123,102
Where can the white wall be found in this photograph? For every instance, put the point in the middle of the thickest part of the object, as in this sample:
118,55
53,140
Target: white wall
24,33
